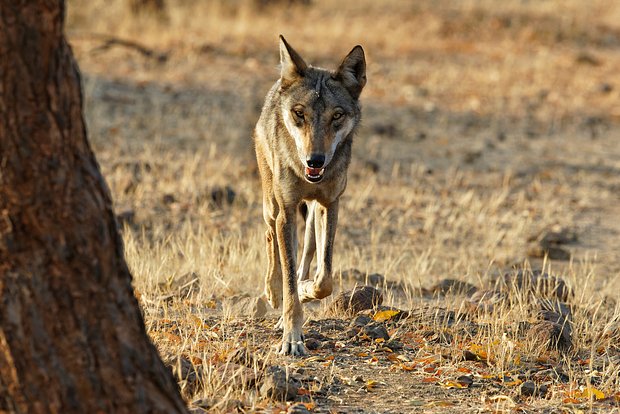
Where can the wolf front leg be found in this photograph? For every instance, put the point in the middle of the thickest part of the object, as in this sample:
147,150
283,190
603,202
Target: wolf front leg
273,278
326,220
292,314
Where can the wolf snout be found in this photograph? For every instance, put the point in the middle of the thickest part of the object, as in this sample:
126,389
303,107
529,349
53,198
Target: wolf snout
315,160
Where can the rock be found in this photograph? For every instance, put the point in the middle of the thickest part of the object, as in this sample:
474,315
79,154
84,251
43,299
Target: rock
432,315
471,156
549,243
357,276
237,376
312,344
550,335
279,386
298,408
201,405
222,196
537,283
360,321
127,216
168,199
486,300
356,300
239,306
605,87
182,286
437,337
242,356
186,373
528,388
585,58
547,309
465,380
557,235
551,252
375,330
470,356
453,286
388,130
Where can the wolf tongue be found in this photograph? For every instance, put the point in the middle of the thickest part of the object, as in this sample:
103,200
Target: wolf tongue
313,171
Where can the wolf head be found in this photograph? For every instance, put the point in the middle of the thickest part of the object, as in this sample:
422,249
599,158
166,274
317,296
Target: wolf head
320,109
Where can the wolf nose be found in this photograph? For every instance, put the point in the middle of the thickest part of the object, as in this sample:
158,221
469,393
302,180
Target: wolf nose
315,160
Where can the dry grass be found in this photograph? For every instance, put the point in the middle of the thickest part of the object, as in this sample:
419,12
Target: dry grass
487,123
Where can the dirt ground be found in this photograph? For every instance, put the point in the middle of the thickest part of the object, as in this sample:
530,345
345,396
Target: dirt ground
489,146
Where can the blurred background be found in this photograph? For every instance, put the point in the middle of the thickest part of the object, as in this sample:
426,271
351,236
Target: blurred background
485,123
489,145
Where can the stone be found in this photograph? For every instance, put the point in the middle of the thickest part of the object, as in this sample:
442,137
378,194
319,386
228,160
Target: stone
126,217
237,376
222,196
528,388
551,252
181,286
547,306
356,300
242,356
486,300
360,321
536,282
278,385
240,306
298,408
375,330
549,243
312,344
433,315
359,277
168,199
550,335
453,286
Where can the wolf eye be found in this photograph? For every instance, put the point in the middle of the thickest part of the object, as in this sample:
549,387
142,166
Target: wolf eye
337,115
299,113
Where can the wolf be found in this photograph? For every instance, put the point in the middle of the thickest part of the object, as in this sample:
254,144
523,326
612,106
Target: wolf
303,141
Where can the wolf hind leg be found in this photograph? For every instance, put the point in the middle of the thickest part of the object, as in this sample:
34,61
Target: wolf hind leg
326,219
309,247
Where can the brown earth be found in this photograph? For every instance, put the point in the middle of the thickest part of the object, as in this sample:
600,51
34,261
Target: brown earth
489,144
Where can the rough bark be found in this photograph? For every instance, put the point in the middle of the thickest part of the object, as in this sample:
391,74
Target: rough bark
72,339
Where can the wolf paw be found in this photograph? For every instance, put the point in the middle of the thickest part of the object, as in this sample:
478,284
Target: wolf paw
306,290
279,326
293,344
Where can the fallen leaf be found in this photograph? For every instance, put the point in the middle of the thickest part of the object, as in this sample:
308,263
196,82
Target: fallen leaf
588,393
303,391
407,367
384,315
371,385
453,384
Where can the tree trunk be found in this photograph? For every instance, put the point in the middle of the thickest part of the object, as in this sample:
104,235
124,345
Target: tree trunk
72,339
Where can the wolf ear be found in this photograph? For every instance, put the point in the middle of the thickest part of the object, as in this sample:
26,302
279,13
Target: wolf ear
352,71
293,66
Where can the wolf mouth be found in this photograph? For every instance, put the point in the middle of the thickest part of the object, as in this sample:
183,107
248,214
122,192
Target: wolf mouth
314,175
